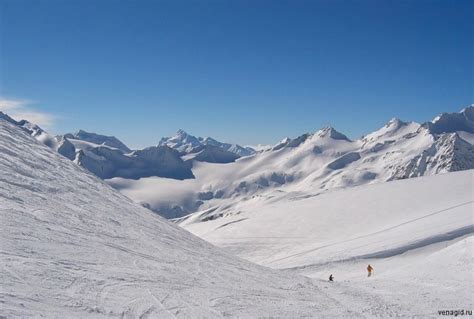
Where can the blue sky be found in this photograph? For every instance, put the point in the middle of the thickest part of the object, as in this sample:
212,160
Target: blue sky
240,71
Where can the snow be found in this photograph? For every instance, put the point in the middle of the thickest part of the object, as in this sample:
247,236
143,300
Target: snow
186,143
98,139
82,145
417,234
72,247
210,154
259,147
468,137
452,122
311,163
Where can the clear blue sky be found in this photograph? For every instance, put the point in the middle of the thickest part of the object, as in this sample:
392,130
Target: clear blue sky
241,71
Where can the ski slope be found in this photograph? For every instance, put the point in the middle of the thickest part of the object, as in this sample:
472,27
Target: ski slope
72,247
417,233
347,223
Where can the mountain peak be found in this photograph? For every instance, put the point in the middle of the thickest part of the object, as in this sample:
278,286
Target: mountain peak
452,122
395,123
468,112
332,133
186,143
181,132
394,120
95,138
81,132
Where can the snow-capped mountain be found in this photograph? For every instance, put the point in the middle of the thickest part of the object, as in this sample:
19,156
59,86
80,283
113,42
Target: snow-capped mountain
186,143
233,148
98,139
108,162
111,158
182,142
314,163
452,122
210,154
73,247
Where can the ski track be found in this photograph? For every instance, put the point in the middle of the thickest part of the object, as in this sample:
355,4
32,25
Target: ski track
398,250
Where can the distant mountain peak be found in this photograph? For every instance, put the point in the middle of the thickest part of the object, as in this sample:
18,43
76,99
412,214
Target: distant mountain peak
395,123
452,122
181,132
186,143
331,132
284,142
95,138
468,111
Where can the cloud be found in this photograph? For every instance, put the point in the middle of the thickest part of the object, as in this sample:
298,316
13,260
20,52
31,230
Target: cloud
22,110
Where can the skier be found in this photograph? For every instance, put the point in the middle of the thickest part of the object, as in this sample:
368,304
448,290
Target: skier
331,278
369,270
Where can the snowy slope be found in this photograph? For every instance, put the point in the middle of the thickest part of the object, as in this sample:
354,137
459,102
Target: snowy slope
417,233
210,154
72,247
32,129
311,164
347,223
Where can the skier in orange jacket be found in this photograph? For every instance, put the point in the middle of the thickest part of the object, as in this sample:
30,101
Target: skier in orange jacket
369,270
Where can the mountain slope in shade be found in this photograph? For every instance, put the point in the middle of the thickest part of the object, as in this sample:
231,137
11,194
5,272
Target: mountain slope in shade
72,247
452,122
152,161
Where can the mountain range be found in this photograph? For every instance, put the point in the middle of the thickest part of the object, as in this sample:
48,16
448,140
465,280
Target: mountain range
205,174
312,164
188,144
